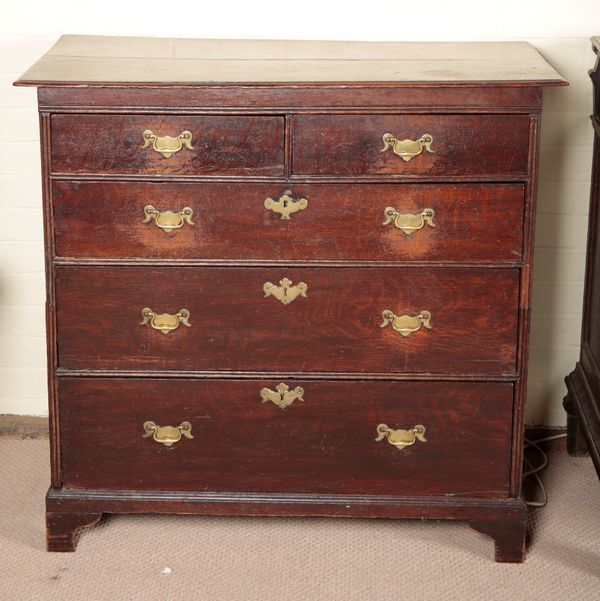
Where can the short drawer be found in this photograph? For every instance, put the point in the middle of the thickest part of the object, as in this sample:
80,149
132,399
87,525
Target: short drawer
384,320
411,145
324,441
370,222
167,145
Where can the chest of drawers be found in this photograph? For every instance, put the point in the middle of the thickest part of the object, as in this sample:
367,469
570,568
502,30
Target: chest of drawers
288,278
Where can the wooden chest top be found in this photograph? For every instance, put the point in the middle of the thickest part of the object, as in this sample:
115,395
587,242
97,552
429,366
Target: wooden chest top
99,60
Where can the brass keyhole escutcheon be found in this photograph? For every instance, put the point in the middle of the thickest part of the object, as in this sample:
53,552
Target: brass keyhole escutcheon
282,396
286,205
285,292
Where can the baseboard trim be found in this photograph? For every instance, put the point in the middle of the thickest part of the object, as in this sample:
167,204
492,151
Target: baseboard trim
24,426
534,433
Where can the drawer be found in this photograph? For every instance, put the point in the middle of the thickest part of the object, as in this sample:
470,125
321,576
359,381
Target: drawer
233,320
461,145
212,145
325,443
471,222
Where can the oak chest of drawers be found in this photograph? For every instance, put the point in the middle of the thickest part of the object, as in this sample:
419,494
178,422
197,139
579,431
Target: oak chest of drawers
288,278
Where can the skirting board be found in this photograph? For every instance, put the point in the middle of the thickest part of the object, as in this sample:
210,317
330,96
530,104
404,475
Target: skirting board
24,426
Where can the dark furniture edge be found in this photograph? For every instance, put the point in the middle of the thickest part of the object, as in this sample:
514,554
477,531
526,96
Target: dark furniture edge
582,402
583,417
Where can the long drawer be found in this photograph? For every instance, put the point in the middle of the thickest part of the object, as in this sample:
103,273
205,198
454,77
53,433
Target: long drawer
167,145
324,441
385,320
373,222
410,145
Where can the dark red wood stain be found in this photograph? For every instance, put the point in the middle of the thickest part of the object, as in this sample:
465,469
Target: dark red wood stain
335,328
462,145
473,222
113,144
480,99
324,444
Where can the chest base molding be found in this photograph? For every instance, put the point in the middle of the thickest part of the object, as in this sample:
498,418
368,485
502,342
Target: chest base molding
69,511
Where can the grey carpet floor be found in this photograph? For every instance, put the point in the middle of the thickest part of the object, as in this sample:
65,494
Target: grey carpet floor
259,559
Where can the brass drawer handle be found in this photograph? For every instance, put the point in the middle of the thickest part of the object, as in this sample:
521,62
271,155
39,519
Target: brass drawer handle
167,435
286,205
165,322
285,292
282,396
167,145
407,149
408,222
401,438
168,220
406,324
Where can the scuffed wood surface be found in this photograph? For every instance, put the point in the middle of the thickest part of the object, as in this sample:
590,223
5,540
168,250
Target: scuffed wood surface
96,60
324,444
335,328
473,222
113,144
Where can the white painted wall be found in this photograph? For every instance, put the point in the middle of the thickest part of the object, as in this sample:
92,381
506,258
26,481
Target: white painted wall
560,30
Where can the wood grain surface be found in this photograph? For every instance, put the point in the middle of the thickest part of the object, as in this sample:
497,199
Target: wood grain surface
473,222
105,60
324,444
335,328
329,98
462,144
112,144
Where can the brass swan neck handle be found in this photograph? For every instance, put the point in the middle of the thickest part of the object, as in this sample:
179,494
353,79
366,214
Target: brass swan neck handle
409,222
401,438
168,220
406,325
407,149
167,435
165,322
167,145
